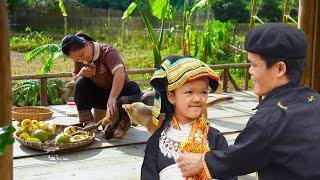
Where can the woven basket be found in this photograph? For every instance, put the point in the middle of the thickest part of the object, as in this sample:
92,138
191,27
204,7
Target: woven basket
31,112
51,147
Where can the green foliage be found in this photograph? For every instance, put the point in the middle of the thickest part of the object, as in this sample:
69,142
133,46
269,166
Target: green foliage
49,53
270,11
27,92
235,10
213,44
29,41
6,137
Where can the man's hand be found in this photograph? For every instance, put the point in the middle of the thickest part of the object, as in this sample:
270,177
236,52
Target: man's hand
86,72
190,163
111,106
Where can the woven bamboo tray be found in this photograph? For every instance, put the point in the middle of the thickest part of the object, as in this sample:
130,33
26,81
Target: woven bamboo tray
49,145
31,112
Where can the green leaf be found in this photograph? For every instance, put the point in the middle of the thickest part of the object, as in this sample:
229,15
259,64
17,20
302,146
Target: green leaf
6,137
129,10
201,4
62,8
161,9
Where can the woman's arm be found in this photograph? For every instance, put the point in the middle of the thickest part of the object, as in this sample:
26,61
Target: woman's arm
117,85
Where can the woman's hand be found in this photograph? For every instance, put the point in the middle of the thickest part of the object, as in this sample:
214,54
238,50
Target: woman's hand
111,106
87,72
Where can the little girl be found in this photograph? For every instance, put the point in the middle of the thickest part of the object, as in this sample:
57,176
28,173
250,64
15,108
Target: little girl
182,87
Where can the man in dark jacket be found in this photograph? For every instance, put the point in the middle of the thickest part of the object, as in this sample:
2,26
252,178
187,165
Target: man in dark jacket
282,139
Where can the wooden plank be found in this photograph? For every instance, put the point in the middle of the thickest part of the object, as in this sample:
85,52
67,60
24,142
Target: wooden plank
43,92
307,10
6,172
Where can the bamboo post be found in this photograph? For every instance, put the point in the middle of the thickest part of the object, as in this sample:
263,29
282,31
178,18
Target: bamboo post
6,161
43,92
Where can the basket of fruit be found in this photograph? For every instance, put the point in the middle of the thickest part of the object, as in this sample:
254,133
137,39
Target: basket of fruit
31,112
53,137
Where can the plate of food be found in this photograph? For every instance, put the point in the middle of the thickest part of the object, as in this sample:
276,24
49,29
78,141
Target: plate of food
52,137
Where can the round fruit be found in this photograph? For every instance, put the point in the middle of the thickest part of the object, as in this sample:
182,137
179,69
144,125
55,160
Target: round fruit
26,123
43,126
24,136
62,139
31,139
40,134
35,123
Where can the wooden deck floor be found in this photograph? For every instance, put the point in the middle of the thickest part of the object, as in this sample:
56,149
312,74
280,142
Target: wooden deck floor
120,159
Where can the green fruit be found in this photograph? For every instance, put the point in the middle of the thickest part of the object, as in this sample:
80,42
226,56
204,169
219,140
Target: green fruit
40,134
62,139
31,139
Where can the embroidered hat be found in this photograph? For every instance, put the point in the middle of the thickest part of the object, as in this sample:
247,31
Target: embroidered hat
173,73
276,40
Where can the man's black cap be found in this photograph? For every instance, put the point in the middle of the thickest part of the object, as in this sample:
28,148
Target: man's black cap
276,40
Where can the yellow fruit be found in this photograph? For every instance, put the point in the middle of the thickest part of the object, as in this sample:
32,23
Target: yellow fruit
40,134
24,136
62,139
35,123
26,123
18,132
43,126
32,139
69,130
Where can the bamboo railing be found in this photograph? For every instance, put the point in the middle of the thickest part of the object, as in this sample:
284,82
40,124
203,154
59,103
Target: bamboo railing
225,76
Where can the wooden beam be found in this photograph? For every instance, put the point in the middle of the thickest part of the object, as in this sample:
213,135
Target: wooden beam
316,51
233,82
6,163
309,23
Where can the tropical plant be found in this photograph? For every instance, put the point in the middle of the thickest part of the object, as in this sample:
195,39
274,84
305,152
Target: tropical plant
27,92
6,137
49,53
161,10
214,44
187,27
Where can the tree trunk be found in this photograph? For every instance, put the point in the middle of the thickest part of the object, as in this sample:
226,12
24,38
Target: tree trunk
309,22
6,162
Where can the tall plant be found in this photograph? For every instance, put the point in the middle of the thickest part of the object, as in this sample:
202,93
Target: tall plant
187,21
287,6
255,6
48,52
160,9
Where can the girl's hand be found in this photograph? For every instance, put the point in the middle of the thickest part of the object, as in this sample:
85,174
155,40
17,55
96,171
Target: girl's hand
86,72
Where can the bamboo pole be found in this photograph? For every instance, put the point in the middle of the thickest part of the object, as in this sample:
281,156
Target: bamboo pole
6,163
